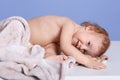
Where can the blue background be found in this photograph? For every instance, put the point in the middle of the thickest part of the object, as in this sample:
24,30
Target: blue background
103,12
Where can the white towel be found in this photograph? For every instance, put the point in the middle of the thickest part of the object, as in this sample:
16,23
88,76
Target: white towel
21,61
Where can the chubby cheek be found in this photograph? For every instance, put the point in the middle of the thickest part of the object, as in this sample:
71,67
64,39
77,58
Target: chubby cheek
94,54
91,52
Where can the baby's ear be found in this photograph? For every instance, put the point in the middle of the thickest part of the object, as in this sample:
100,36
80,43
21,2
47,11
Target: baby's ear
90,28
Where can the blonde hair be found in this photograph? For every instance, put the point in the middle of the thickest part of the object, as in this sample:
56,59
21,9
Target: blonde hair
105,37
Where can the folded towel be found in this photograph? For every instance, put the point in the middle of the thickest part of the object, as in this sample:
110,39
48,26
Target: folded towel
19,60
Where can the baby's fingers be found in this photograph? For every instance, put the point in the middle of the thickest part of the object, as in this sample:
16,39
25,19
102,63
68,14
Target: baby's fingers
100,66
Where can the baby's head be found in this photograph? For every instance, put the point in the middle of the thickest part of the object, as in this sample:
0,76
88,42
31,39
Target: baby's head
102,33
92,40
95,27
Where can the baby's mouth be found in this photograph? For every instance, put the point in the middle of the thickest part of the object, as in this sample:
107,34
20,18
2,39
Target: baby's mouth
76,44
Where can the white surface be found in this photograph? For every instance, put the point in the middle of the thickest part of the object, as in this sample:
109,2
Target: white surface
112,72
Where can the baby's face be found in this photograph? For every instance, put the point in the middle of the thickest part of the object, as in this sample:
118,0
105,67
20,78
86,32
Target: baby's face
87,42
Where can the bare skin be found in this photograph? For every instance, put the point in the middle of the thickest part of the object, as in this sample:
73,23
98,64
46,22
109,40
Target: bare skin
57,58
55,34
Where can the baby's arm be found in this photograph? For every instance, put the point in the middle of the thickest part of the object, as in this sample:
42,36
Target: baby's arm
51,49
66,46
51,53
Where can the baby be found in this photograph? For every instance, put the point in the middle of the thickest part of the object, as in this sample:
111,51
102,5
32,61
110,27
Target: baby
60,34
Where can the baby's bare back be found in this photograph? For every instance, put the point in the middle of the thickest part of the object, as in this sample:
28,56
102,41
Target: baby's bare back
45,29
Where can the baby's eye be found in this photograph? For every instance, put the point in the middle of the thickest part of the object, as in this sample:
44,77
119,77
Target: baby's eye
88,43
83,51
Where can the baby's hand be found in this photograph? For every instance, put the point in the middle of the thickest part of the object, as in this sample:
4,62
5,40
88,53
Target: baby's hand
94,63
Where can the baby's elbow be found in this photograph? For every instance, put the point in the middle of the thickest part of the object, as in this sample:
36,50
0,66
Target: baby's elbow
62,48
65,49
